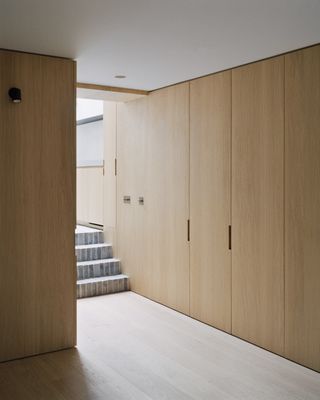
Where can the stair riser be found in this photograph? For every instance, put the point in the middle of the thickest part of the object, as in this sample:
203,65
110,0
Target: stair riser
95,253
97,270
102,288
89,238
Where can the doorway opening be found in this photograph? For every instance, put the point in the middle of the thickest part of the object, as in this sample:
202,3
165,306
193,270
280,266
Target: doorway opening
90,162
98,269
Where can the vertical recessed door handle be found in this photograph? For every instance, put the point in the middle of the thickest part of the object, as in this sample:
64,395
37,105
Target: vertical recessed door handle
229,236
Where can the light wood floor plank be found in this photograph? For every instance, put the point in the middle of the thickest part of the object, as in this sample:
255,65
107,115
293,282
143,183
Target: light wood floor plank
132,348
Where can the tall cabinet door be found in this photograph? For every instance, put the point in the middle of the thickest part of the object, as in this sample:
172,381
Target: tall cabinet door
302,207
210,187
257,203
166,246
37,205
131,134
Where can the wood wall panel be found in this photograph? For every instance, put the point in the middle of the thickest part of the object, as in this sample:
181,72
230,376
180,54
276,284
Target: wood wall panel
274,201
153,162
37,205
131,168
210,199
167,196
302,207
110,179
257,203
90,195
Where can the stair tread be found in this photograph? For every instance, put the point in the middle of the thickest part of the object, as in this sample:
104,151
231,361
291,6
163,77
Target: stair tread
91,246
101,279
100,261
86,229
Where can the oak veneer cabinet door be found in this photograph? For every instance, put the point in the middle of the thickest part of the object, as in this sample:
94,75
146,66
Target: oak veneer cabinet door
37,205
257,203
110,178
131,246
90,195
302,207
210,201
167,196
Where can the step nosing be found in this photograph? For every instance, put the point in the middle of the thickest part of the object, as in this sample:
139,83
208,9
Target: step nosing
99,261
92,246
102,279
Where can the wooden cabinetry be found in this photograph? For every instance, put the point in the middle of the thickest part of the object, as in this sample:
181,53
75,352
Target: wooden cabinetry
37,205
167,196
131,170
110,178
90,195
257,203
153,163
302,207
210,187
267,289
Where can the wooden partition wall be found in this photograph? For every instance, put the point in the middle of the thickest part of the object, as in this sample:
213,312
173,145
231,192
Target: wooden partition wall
37,205
210,200
153,163
302,207
236,149
90,194
257,203
131,169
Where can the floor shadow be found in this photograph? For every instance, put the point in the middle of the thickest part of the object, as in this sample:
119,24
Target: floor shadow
52,376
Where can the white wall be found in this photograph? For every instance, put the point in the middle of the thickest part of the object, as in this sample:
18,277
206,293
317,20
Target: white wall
88,108
90,144
90,137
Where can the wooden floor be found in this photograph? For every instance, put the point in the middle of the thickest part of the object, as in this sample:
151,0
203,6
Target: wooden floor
132,348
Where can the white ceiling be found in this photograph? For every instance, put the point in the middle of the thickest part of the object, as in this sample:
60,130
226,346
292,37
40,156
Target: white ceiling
157,42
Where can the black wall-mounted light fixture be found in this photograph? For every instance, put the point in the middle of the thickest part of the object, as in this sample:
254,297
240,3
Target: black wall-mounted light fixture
15,95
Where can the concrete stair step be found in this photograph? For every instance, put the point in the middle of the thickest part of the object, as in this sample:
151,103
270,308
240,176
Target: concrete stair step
89,252
102,285
97,268
92,237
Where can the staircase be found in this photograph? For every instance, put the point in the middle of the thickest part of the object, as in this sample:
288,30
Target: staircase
98,273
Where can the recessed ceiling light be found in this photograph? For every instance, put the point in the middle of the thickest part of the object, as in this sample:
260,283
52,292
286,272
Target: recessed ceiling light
120,76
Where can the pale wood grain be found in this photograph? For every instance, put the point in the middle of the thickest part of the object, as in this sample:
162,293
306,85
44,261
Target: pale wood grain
257,203
167,196
90,195
37,205
153,162
132,348
258,254
131,246
302,207
110,179
210,199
